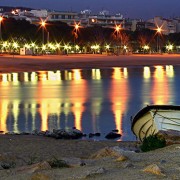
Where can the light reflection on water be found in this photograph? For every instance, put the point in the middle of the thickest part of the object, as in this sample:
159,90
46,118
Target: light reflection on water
93,100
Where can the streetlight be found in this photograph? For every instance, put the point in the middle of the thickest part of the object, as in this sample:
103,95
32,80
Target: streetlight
158,31
75,31
117,30
43,25
1,19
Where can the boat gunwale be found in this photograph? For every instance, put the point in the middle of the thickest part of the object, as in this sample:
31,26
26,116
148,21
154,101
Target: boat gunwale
151,107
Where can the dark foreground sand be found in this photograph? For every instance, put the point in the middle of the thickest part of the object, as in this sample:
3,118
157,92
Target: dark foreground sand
24,152
10,63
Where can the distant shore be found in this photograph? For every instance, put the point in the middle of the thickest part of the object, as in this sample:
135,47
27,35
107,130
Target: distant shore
17,63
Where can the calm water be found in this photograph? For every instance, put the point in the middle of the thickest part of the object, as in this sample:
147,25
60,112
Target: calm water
93,100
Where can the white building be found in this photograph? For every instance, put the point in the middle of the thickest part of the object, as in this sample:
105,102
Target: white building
66,17
106,20
167,25
39,13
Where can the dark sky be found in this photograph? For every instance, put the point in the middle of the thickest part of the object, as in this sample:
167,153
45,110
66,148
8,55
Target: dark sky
129,8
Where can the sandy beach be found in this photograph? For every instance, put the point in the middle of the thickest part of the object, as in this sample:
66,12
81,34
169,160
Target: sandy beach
27,157
16,63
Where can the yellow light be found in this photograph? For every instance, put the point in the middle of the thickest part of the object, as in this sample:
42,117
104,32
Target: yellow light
27,46
169,47
15,45
118,28
43,47
107,46
125,47
65,47
1,18
43,23
76,26
5,44
77,47
146,47
57,45
33,44
159,30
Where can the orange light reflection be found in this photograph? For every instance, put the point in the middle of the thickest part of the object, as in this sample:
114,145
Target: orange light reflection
119,95
78,86
160,90
3,115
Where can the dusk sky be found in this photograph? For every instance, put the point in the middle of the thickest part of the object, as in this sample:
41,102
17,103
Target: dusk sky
129,8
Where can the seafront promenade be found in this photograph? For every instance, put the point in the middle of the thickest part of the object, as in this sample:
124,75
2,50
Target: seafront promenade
17,63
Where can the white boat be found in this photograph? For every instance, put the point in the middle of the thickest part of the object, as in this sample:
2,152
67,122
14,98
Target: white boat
154,118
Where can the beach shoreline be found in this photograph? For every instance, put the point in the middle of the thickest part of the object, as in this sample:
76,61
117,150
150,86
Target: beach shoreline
28,150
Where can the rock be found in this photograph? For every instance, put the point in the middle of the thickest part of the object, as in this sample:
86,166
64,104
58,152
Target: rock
122,158
154,169
96,171
115,130
35,132
91,135
112,135
108,151
7,165
34,168
97,134
67,134
73,162
24,133
10,133
48,133
171,136
7,161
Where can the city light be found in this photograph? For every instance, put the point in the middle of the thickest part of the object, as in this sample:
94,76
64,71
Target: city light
15,45
146,47
117,28
169,47
107,47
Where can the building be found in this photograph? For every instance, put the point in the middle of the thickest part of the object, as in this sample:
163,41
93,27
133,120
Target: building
66,17
177,22
105,20
168,25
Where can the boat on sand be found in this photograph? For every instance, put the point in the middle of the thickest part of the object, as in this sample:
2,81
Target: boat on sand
155,118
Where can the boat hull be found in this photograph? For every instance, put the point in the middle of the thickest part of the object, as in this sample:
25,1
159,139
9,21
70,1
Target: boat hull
152,119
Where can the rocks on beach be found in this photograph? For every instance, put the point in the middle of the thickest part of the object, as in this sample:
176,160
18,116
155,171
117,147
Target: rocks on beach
68,134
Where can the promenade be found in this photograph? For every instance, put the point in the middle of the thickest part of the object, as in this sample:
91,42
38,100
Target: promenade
17,63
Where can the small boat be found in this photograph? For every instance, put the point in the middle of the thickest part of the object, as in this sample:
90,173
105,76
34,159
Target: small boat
154,118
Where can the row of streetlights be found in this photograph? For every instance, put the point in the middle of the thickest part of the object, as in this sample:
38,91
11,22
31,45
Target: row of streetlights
57,47
117,28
